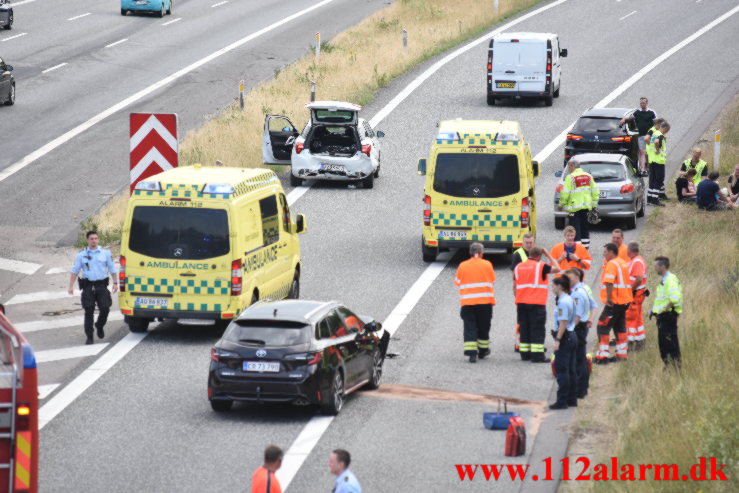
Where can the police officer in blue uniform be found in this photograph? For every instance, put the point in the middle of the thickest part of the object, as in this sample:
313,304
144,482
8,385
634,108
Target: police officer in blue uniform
93,265
346,481
565,345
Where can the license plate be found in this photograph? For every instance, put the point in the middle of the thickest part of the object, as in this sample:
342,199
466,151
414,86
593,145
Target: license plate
603,194
453,234
262,366
152,301
509,85
333,167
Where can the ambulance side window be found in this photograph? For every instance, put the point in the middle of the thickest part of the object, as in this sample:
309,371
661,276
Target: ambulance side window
270,220
285,213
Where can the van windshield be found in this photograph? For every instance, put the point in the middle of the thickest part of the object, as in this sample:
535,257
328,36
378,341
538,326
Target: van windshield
476,175
179,233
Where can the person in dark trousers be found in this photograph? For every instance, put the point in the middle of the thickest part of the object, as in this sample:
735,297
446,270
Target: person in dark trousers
475,280
657,157
521,255
585,307
264,479
578,196
565,345
346,481
93,265
644,118
668,306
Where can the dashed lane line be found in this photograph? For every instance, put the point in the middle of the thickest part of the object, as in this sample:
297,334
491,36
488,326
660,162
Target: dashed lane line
172,21
12,37
71,352
45,390
117,43
627,15
40,296
56,270
60,323
53,68
79,16
19,266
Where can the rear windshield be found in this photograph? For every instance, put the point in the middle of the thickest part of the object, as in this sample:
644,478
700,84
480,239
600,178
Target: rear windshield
605,171
593,125
269,333
528,54
179,233
485,176
326,116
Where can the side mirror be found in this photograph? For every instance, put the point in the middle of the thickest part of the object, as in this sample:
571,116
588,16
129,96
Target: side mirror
300,225
558,174
563,52
535,165
380,134
372,326
422,166
9,68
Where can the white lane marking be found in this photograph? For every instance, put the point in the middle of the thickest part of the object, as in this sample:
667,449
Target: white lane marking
15,4
697,1
40,296
57,270
60,323
13,37
296,193
172,21
79,16
53,68
88,377
69,352
20,266
218,4
45,390
293,460
117,42
67,136
627,15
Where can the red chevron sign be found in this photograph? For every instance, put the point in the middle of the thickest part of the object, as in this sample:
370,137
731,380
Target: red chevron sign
153,144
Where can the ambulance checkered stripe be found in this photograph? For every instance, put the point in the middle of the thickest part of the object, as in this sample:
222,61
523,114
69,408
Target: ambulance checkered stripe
261,180
482,220
477,139
177,286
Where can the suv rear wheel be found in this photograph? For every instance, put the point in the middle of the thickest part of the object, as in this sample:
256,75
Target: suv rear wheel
491,100
294,180
136,324
336,396
429,253
221,405
369,182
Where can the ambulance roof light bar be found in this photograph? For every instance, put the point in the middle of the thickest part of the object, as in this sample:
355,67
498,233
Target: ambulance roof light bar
448,136
506,137
220,188
149,186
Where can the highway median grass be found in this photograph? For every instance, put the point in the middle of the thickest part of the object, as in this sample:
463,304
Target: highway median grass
643,413
352,67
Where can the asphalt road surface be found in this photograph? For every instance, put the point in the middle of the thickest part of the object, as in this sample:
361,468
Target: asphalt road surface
146,423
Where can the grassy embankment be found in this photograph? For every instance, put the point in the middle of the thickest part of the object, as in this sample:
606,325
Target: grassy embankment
352,67
643,414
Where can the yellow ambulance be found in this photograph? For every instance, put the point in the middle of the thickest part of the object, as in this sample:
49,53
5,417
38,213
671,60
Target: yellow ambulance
479,187
201,244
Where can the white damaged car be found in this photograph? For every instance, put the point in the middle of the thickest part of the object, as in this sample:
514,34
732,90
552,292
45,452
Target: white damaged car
335,145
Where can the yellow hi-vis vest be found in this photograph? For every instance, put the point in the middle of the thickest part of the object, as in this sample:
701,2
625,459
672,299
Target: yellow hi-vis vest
669,290
522,253
688,163
578,192
654,155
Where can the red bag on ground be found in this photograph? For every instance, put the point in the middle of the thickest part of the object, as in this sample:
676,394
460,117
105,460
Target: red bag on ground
515,438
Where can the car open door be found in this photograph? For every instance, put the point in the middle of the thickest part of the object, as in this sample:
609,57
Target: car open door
276,148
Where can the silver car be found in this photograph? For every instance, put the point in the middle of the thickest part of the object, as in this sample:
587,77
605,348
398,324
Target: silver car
335,145
622,193
6,15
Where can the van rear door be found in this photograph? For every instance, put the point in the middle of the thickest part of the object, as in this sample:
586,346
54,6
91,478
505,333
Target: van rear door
179,257
519,65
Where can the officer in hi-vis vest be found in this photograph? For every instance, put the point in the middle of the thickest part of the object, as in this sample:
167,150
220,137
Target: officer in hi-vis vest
657,157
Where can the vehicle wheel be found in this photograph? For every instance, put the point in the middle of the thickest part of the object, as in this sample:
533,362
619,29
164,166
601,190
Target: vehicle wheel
294,180
254,298
221,405
429,253
336,398
377,171
631,222
294,293
491,100
124,11
369,182
11,96
640,212
548,100
556,93
161,11
137,324
559,223
169,10
375,370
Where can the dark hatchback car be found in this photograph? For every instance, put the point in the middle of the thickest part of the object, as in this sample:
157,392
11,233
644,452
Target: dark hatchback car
7,84
599,130
296,351
6,15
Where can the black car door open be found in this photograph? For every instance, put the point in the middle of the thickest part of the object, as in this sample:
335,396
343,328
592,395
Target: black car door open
362,344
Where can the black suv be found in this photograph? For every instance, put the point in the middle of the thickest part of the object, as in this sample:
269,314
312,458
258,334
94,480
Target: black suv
7,84
296,351
599,130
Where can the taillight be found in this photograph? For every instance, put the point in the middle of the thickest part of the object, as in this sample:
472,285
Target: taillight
214,354
23,416
525,212
490,61
299,146
427,211
621,139
559,188
574,137
315,359
628,188
236,278
122,275
366,149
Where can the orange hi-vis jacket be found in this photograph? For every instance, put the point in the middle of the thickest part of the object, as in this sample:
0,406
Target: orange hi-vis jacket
580,251
638,267
531,289
622,249
616,272
475,278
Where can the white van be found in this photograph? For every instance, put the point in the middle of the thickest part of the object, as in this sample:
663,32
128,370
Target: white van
524,65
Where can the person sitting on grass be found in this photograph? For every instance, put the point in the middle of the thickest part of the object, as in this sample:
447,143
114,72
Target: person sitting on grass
734,185
710,197
686,189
